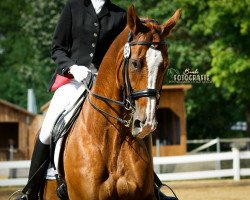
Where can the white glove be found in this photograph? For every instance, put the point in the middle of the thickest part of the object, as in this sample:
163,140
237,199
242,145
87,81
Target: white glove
79,72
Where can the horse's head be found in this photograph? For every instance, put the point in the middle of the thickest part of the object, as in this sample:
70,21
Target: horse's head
147,59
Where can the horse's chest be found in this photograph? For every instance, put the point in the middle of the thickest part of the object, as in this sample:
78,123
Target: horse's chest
110,167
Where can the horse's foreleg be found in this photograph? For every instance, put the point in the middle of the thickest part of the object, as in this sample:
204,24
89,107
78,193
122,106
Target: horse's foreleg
49,192
149,143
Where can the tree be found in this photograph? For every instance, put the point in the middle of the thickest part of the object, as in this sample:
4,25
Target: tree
228,23
25,39
14,51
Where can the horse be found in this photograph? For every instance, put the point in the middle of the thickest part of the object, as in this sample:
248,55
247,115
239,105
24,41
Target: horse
107,153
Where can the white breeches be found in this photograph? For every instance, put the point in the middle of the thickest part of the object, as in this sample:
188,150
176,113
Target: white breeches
64,96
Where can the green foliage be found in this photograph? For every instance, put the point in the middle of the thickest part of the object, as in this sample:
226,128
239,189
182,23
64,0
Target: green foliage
14,51
40,23
231,69
224,27
230,27
196,44
25,44
10,12
210,115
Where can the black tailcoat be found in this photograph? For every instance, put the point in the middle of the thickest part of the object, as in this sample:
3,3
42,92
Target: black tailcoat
81,37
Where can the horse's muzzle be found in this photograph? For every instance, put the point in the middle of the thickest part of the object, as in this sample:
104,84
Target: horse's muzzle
141,129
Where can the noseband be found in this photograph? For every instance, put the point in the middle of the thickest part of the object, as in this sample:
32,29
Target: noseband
129,95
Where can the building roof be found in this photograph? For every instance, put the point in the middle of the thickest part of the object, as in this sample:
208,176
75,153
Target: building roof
15,107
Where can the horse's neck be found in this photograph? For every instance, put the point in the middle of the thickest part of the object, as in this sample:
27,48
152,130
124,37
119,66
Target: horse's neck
108,85
106,81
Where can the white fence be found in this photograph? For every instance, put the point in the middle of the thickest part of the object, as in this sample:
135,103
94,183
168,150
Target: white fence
235,172
14,165
235,156
236,142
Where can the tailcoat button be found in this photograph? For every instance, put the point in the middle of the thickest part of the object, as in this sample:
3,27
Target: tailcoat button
95,34
95,24
91,54
93,44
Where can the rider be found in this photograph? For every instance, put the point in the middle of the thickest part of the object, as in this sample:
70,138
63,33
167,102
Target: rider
84,32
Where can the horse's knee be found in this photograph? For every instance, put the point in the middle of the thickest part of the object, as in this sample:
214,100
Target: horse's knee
107,189
125,188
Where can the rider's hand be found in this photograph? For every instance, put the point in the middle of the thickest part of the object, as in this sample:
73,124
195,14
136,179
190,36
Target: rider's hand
79,72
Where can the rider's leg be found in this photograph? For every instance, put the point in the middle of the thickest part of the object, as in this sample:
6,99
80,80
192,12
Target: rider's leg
39,157
61,99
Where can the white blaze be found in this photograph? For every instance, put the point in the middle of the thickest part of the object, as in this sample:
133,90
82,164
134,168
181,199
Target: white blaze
153,59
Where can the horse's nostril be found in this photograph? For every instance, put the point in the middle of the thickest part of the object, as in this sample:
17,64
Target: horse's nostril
137,123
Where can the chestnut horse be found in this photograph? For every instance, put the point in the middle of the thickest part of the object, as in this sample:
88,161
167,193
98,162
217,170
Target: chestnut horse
106,155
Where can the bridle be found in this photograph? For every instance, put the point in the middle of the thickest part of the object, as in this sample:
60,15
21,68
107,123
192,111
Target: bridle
131,94
128,94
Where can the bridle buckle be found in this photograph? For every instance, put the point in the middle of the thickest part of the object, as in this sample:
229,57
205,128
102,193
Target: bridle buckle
128,105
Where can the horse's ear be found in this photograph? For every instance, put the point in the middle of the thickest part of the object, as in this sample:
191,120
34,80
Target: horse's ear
133,21
169,25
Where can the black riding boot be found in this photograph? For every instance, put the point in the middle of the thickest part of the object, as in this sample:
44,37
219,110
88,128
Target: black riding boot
38,167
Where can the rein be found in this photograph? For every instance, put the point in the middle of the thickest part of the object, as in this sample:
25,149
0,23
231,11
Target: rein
128,94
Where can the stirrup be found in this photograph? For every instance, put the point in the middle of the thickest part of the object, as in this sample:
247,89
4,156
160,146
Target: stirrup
158,185
162,196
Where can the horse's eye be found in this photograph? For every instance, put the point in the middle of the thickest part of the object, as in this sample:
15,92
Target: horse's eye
135,63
